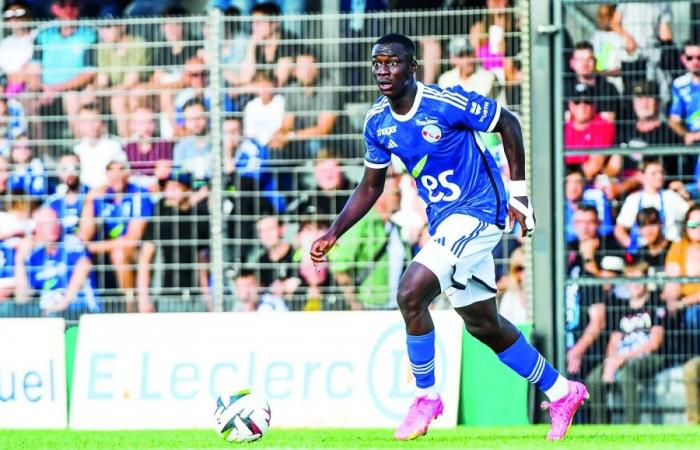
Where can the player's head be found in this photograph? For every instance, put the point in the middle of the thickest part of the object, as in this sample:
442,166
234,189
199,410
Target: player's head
394,64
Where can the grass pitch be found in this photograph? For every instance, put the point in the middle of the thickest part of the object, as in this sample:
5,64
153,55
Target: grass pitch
515,438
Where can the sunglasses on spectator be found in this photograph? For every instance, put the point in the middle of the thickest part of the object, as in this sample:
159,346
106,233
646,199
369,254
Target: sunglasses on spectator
692,57
693,224
14,13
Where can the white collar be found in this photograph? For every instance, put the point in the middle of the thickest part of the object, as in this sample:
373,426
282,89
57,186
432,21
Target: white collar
412,112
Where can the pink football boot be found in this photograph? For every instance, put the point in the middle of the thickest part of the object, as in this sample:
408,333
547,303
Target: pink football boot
416,422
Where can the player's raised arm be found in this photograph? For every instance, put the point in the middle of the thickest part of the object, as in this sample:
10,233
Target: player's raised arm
520,207
360,202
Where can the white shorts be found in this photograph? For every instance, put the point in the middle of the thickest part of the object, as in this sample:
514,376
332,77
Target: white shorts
459,254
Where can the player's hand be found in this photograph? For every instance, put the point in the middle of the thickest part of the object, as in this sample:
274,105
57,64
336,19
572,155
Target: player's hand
320,248
520,210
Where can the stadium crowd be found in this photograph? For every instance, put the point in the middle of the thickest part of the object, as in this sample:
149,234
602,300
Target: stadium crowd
106,167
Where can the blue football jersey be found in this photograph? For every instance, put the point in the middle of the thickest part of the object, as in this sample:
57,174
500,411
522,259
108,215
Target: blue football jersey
115,215
67,211
438,142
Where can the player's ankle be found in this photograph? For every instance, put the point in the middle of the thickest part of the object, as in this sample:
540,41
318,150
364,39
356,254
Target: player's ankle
431,393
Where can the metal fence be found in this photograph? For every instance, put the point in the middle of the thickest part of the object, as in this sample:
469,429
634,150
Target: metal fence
191,161
628,190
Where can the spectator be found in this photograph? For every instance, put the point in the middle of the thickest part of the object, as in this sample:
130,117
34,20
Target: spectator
512,297
95,148
252,297
691,378
70,194
653,252
609,46
193,153
168,57
121,60
15,220
649,127
467,71
577,193
29,174
66,55
331,191
263,115
670,205
685,108
277,265
234,47
16,50
180,232
147,154
585,81
4,181
311,108
643,26
369,260
113,222
267,46
8,308
682,261
55,266
632,355
13,123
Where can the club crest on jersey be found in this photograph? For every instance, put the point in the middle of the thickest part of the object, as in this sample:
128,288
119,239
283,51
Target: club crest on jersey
431,133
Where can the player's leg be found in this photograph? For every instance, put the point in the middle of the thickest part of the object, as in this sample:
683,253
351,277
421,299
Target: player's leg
417,289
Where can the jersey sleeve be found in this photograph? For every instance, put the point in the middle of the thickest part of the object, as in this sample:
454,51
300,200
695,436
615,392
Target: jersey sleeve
471,109
142,205
376,157
677,105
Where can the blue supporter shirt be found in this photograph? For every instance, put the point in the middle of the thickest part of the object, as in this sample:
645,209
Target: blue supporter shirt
115,216
31,179
686,101
50,272
7,263
251,158
438,142
62,58
68,212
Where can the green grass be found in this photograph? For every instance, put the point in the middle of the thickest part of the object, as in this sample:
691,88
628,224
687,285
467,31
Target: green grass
463,438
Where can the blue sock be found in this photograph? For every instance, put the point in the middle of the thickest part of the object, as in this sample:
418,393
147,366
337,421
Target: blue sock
421,353
529,364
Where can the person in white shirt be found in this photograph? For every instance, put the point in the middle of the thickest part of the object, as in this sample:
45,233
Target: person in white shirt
251,297
671,206
95,148
263,115
467,72
17,48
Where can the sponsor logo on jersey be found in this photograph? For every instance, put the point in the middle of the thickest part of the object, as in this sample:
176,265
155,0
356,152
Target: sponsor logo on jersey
431,133
388,131
475,109
391,144
426,121
484,113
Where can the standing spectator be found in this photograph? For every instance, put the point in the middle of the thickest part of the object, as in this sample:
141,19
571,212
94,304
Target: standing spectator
603,94
577,193
649,127
683,260
113,222
121,60
252,297
95,148
263,115
643,26
70,194
55,266
311,109
146,153
467,71
193,153
180,232
16,49
66,54
29,174
671,207
685,107
655,248
13,123
277,265
169,56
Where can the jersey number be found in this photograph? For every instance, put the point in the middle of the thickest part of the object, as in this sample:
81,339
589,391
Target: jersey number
441,189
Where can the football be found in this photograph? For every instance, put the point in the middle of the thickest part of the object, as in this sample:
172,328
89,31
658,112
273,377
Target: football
242,416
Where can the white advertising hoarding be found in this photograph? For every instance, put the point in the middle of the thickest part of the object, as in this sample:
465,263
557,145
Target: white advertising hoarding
32,373
327,369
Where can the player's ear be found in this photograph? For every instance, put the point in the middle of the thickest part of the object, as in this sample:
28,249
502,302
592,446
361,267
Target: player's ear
414,65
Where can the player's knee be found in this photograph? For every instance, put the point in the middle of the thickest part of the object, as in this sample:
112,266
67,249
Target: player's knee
409,303
482,328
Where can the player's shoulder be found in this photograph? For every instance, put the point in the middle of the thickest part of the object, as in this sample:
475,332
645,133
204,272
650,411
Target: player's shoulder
454,96
380,106
683,81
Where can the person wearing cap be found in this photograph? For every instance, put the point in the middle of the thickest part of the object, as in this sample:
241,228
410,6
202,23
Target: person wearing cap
181,235
684,112
467,71
603,94
17,48
70,194
649,127
112,224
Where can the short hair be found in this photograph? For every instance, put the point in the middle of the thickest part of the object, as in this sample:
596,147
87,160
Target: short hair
396,38
246,272
174,11
650,161
263,75
691,43
194,102
648,216
266,8
587,207
574,169
584,45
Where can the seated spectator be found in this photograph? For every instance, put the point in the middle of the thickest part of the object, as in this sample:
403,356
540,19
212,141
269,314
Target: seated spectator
15,219
602,94
28,174
66,56
684,113
180,232
13,123
331,189
671,207
147,154
70,194
268,46
368,261
637,331
251,297
277,266
169,56
55,267
311,110
589,247
512,297
113,221
193,153
17,48
655,248
264,114
121,60
577,193
649,127
467,71
95,148
683,260
8,308
691,379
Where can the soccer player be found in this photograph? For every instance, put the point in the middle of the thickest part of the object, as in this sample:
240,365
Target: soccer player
435,134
